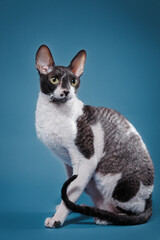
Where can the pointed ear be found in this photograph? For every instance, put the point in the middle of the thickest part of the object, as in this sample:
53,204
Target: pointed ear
44,60
77,63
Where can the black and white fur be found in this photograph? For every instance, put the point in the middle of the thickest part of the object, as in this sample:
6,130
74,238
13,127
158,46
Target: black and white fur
98,145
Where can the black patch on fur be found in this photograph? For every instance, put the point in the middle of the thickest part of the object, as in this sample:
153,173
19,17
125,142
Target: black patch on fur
147,175
46,86
148,202
63,74
57,224
65,83
85,138
126,189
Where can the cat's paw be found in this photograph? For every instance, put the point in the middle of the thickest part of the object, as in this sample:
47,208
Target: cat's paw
99,221
52,223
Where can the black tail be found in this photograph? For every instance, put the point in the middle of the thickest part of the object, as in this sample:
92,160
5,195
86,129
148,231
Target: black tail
116,219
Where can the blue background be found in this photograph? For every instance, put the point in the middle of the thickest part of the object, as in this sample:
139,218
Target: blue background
122,40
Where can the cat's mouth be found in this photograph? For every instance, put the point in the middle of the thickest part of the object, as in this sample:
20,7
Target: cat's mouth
59,100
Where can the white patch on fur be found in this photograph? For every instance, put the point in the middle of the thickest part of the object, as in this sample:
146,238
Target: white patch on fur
49,222
98,140
79,160
133,130
137,203
71,92
100,221
57,92
106,185
56,124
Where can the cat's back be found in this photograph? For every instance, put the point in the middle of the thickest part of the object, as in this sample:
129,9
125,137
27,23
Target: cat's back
114,124
110,119
124,150
123,145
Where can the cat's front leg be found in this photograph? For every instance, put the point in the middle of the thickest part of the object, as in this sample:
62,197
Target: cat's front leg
85,169
69,171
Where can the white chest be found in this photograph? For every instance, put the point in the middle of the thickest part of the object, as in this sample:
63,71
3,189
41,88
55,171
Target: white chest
56,124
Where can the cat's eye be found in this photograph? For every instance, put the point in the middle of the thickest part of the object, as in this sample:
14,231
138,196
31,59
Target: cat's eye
74,82
54,80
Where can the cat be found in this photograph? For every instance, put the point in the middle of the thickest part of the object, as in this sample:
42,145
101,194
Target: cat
101,150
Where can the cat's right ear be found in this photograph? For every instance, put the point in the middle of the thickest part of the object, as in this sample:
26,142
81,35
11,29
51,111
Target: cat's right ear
44,60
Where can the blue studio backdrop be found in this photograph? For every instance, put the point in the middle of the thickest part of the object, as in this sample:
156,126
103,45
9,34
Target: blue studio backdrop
122,71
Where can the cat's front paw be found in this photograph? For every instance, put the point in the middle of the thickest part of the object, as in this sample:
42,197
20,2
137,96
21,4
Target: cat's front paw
52,223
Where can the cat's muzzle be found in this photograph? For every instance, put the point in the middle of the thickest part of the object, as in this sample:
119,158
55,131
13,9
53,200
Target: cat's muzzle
59,100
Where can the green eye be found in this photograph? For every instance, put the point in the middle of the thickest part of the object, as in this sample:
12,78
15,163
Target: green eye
74,82
54,80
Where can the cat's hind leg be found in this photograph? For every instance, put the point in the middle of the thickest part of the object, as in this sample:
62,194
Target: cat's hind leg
95,194
110,208
99,201
106,185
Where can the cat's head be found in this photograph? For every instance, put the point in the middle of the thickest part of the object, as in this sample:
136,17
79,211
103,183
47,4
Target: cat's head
59,83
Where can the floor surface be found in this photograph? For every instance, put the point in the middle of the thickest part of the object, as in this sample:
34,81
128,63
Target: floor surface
24,226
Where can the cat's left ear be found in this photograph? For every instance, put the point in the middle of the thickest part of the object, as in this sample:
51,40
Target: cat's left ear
77,63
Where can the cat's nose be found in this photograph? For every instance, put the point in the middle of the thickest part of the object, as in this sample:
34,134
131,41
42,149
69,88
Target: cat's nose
66,92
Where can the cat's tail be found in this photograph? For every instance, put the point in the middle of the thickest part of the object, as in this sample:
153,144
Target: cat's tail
116,219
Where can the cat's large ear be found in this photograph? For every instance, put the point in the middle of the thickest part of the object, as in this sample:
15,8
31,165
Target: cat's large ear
44,60
77,63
